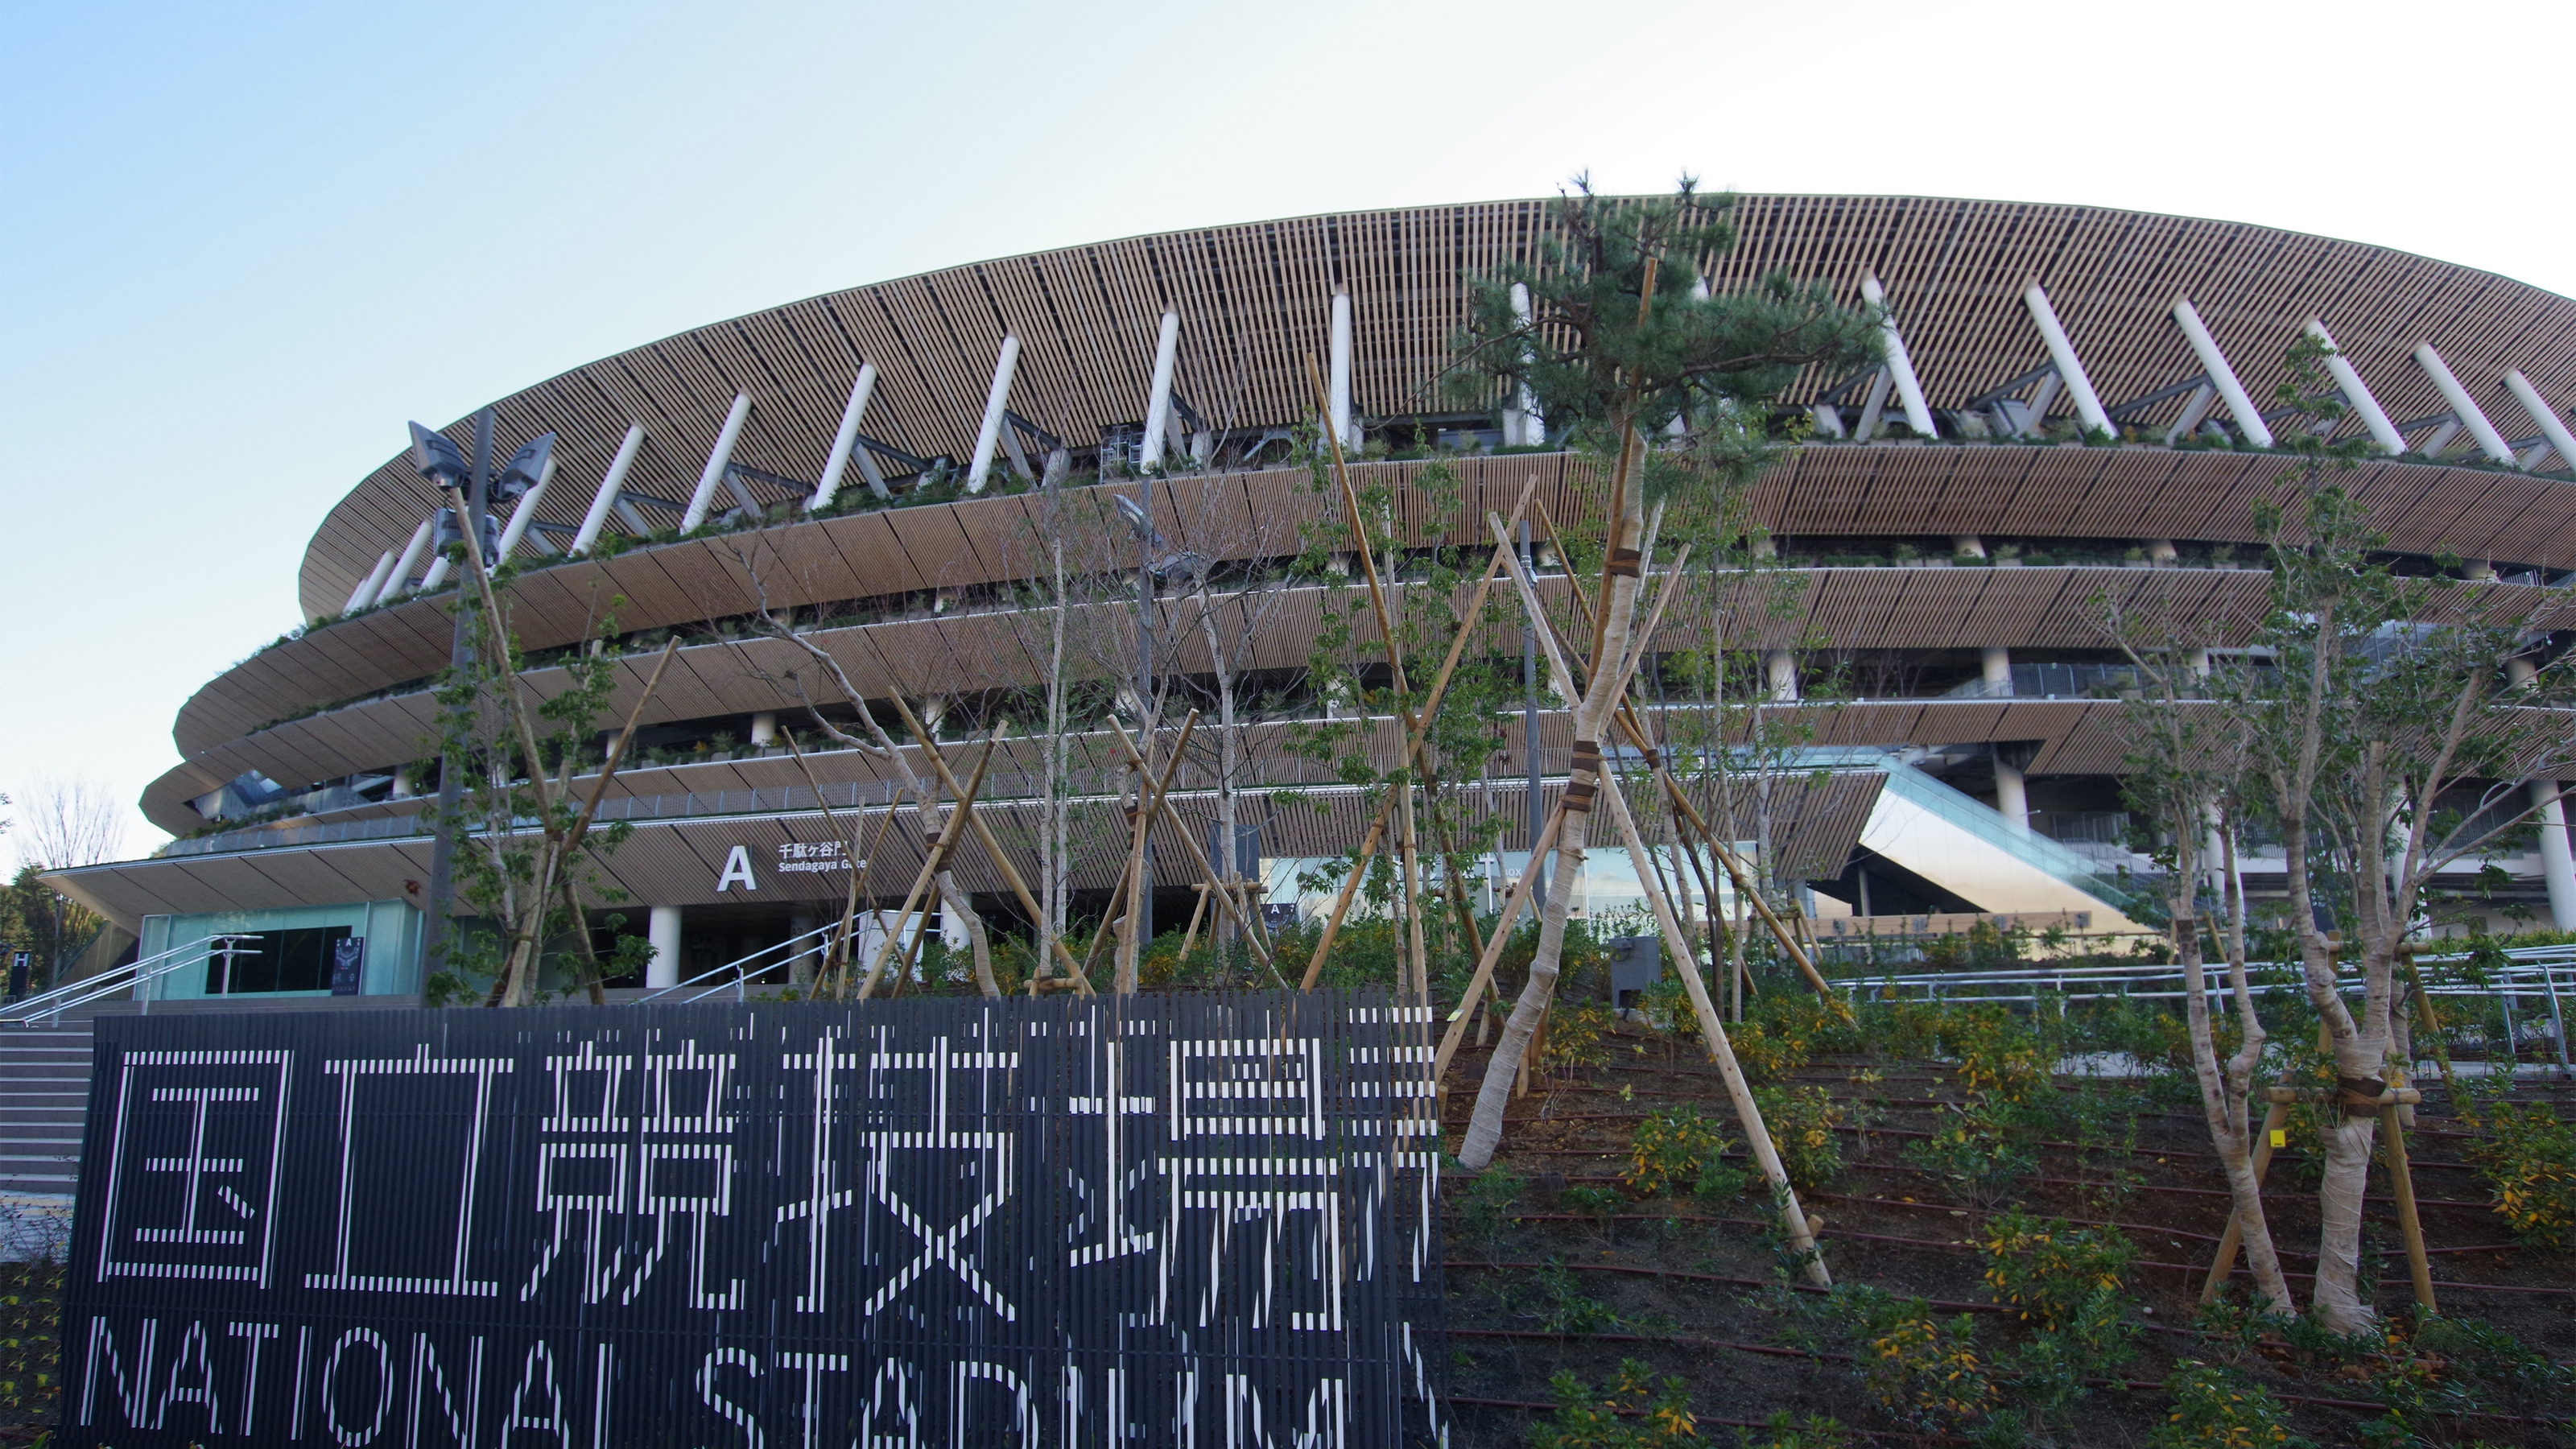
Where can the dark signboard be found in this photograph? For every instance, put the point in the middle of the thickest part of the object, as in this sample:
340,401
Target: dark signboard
1202,1220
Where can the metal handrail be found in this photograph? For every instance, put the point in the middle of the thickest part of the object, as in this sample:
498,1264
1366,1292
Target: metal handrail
128,977
741,971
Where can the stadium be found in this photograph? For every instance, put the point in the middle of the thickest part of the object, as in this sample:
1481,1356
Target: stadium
2073,408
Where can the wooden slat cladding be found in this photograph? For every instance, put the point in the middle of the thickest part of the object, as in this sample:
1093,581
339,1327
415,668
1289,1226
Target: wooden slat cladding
1254,301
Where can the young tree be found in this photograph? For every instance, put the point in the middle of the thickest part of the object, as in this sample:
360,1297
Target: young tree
1614,343
2388,738
2188,761
64,824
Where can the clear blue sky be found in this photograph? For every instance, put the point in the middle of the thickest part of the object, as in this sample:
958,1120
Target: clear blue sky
241,243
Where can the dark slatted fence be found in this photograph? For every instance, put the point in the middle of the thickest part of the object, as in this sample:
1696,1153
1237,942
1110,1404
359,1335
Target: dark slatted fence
1201,1219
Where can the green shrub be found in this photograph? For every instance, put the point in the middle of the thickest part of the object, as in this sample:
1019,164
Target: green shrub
1801,1121
1677,1151
1588,1418
1785,1431
2528,1158
2046,1270
1981,1149
2216,1409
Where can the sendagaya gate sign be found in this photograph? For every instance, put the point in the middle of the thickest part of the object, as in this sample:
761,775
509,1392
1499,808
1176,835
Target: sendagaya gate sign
1149,1220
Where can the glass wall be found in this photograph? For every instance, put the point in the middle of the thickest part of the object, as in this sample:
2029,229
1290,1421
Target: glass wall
291,951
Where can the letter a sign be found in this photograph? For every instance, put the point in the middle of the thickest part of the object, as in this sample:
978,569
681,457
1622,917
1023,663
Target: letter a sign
737,869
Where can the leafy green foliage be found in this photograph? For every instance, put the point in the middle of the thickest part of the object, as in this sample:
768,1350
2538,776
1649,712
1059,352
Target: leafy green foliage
2049,1271
1634,1410
2216,1408
1802,1123
2528,1158
30,1335
1677,1151
1982,1149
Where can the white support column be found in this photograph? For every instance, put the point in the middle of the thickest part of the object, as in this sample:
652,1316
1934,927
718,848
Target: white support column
1874,408
2463,406
1918,415
1783,668
764,728
2194,409
2012,794
523,515
662,928
721,455
2356,392
370,586
2088,405
436,573
846,437
606,497
1158,403
996,401
2557,866
2542,417
1522,425
2161,551
1967,545
410,555
2249,418
1340,380
1995,667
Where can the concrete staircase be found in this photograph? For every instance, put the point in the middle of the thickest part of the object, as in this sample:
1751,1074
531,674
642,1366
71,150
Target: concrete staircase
44,1101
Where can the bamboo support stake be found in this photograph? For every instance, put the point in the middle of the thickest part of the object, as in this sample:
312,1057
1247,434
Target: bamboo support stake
1793,1218
1001,861
1190,937
1120,892
1430,707
930,864
1508,913
2401,1181
2222,1264
1207,870
1132,942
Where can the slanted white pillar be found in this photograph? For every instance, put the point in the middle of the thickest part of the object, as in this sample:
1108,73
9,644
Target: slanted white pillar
1909,388
1783,668
662,928
1995,667
1158,402
2383,433
606,498
2543,418
717,458
410,555
1522,425
764,728
2194,408
997,401
1967,545
2463,406
2162,551
436,573
2249,418
1874,407
2012,794
523,515
2070,368
370,586
1340,380
846,437
2557,866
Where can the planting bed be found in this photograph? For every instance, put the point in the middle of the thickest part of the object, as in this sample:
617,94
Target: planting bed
1568,1260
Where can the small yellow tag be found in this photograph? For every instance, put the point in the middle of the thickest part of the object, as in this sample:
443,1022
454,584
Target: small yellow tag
2280,1138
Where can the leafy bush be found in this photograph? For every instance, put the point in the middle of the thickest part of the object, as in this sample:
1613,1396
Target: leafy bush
2216,1409
1577,1036
1677,1151
1564,1308
1589,1418
1925,1370
1767,1053
1801,1121
30,1337
1997,1054
1979,1148
2046,1270
1784,1431
2528,1158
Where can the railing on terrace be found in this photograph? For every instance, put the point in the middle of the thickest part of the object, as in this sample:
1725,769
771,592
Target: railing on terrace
129,979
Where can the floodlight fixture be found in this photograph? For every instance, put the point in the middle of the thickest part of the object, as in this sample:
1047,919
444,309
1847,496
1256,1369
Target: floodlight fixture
525,468
439,460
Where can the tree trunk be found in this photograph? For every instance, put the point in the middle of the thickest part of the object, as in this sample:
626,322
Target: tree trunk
1592,716
977,940
2225,1109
